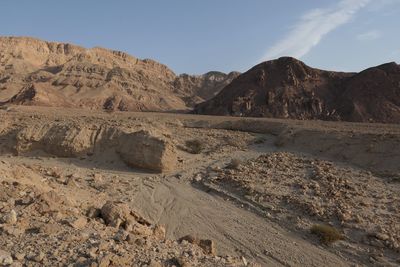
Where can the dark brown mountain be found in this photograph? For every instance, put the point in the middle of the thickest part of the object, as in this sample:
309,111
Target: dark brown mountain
287,88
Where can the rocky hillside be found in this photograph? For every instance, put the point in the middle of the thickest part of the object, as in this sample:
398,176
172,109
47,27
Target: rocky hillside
198,88
36,72
287,88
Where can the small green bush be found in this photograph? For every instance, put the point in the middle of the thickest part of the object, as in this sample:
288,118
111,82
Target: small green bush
194,146
327,234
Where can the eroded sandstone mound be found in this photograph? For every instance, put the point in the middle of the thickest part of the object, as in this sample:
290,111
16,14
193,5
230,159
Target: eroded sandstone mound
35,72
145,149
287,88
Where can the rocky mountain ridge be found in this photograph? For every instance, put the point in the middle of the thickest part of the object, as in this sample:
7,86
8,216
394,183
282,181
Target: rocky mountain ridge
36,72
288,88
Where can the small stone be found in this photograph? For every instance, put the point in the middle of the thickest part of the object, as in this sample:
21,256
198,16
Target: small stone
382,236
190,239
154,263
208,246
19,256
159,232
16,264
198,177
5,258
140,242
97,177
103,245
182,262
143,230
10,218
72,182
39,257
121,236
105,261
93,212
78,223
244,261
13,230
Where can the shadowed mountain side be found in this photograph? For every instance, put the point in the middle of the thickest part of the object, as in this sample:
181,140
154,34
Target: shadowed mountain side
287,88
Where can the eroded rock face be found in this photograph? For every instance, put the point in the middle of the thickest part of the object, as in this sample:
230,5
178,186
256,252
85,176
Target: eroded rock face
199,88
144,149
40,73
59,140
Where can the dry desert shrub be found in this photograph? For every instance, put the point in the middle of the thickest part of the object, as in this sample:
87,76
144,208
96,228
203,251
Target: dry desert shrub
327,234
194,146
234,164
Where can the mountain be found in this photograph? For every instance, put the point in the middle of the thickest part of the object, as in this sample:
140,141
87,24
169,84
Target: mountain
198,88
36,72
288,88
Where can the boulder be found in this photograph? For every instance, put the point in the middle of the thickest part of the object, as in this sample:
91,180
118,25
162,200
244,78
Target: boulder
10,217
159,232
208,246
115,213
147,150
5,258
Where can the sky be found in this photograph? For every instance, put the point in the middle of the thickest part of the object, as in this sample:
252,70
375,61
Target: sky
193,36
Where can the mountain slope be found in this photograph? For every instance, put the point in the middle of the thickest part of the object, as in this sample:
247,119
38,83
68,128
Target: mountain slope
198,88
287,88
36,72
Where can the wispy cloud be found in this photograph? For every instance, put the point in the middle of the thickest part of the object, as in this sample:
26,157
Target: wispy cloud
312,27
395,53
369,36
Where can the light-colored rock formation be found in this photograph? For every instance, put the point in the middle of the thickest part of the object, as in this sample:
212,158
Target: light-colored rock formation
36,72
145,149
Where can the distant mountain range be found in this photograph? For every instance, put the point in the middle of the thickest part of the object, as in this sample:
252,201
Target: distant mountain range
36,72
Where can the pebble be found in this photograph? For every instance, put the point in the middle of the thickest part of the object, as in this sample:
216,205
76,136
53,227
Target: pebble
10,218
5,258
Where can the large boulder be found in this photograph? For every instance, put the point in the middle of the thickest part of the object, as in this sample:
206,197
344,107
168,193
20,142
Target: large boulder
115,213
147,150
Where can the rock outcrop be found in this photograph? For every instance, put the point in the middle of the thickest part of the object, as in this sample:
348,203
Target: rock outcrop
287,88
145,149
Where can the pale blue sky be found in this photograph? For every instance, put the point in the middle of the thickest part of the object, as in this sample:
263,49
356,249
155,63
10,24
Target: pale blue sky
196,36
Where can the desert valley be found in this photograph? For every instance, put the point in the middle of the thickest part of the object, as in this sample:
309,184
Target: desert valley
111,160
